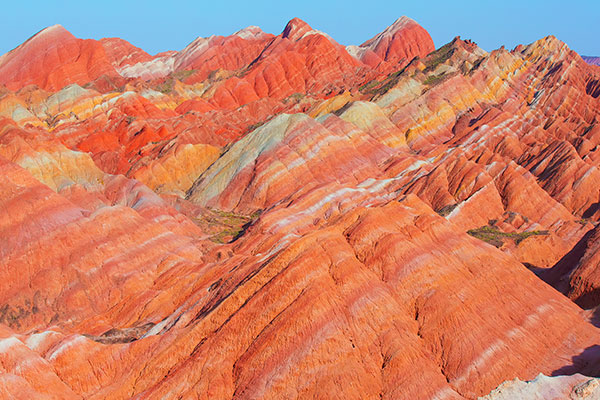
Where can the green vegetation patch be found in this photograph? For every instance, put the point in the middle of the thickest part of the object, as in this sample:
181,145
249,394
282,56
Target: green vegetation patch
254,126
225,226
226,236
296,98
183,74
495,237
376,87
446,210
369,86
166,87
438,57
433,80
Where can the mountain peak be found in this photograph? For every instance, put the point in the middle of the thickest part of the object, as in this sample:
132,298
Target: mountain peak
50,60
388,33
544,47
51,33
53,28
42,40
250,32
270,216
295,29
400,23
402,40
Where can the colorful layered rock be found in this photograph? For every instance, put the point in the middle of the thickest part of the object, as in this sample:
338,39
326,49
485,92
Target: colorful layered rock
279,216
395,47
52,59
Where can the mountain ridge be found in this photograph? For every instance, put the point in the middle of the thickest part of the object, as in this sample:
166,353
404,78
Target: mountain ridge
282,216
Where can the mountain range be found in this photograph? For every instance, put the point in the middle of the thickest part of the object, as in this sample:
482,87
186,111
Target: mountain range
282,216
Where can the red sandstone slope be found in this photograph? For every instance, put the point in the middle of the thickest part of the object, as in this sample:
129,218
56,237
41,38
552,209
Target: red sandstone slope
577,274
205,55
287,72
403,39
299,61
395,46
122,53
264,216
52,59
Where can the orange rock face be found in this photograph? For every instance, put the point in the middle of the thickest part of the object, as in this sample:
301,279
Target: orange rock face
397,45
280,216
52,59
122,53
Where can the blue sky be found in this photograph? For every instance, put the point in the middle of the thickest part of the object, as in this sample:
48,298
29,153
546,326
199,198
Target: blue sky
170,25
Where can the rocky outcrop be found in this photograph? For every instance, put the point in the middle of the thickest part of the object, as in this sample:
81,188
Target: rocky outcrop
280,216
574,387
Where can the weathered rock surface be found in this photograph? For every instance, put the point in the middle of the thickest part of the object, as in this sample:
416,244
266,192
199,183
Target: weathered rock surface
395,47
52,59
280,216
574,387
577,274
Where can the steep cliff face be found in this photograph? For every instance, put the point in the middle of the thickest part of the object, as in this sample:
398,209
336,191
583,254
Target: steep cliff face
577,273
279,216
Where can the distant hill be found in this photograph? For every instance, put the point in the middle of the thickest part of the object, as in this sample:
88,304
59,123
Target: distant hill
591,60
